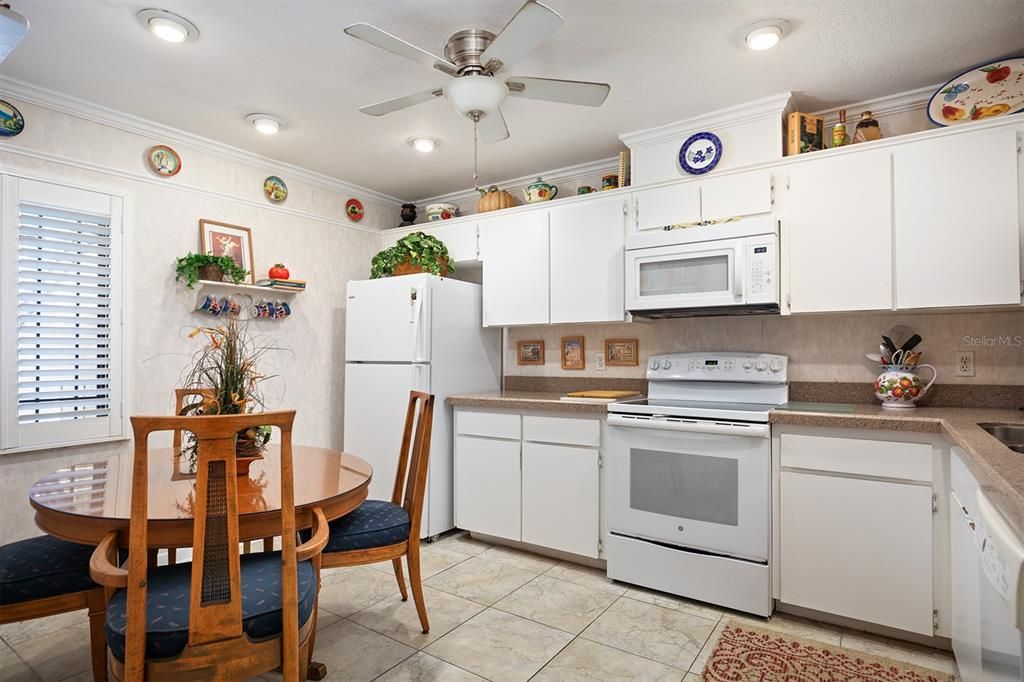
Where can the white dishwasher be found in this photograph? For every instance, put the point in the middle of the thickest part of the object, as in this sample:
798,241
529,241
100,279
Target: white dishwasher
988,608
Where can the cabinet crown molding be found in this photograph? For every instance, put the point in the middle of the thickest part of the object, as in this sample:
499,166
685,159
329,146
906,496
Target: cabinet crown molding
775,105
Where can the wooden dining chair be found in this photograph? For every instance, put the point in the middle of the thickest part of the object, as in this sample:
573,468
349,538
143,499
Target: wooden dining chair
46,576
380,531
225,615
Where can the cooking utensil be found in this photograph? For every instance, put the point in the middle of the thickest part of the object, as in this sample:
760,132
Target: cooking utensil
911,343
900,334
889,345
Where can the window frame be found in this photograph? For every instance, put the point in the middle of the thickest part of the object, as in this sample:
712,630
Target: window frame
15,438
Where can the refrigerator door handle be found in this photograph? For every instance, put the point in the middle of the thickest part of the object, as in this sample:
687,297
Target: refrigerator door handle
416,295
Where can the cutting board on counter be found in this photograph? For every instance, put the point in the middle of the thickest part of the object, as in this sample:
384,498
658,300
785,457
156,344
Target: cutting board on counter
599,396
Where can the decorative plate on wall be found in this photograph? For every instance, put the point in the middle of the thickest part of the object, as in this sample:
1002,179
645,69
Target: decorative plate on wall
163,160
275,189
995,89
700,153
11,120
354,210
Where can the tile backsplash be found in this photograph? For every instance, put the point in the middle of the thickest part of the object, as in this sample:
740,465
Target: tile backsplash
820,347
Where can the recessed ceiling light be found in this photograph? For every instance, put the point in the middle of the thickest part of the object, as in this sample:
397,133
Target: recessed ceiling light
423,144
765,35
265,123
168,26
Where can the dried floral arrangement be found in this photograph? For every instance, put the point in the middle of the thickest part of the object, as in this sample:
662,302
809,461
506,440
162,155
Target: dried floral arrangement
225,372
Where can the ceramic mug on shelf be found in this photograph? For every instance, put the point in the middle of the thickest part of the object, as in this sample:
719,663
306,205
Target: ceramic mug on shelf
898,386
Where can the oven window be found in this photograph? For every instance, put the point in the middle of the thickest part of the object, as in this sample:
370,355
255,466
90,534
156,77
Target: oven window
685,276
696,487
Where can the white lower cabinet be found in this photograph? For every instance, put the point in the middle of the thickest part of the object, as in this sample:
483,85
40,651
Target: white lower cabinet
561,506
858,548
487,486
530,478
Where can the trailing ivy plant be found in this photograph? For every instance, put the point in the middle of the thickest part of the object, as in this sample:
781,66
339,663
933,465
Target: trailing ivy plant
187,267
418,248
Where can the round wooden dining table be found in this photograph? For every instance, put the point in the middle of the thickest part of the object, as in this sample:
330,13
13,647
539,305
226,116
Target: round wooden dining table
83,502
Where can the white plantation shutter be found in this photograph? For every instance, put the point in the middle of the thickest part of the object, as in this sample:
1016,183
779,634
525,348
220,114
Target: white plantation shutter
64,322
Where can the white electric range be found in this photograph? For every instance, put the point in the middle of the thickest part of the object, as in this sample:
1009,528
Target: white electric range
689,478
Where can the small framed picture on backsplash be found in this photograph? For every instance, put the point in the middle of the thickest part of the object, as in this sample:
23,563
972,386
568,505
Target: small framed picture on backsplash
530,352
621,352
572,352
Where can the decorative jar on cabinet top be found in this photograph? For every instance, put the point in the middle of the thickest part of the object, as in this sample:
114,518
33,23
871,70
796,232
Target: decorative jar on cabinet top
538,190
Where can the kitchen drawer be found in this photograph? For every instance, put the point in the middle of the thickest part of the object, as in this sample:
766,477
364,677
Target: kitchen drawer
860,457
488,424
563,430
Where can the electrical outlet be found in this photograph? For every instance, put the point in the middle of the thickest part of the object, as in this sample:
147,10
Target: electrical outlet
599,365
965,363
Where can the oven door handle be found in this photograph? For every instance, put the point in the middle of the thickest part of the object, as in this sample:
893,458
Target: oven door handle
689,426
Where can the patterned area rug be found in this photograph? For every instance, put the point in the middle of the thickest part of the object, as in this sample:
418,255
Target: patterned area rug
745,653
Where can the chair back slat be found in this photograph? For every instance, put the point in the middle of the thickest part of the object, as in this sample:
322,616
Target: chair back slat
413,459
215,599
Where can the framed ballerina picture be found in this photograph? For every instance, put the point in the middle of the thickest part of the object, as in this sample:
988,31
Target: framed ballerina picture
233,241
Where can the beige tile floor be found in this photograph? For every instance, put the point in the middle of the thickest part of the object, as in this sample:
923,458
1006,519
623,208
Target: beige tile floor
496,614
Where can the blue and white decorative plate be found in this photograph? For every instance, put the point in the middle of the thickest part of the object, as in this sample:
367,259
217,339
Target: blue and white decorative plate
700,153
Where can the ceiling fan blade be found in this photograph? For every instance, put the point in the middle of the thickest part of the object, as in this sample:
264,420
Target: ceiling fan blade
492,127
386,41
389,105
554,90
528,28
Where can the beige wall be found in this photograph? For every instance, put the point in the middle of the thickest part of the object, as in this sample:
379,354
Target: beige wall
308,232
820,347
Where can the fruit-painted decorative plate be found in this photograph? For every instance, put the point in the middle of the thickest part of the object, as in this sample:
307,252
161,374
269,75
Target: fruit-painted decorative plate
995,89
275,189
163,160
354,210
700,153
11,120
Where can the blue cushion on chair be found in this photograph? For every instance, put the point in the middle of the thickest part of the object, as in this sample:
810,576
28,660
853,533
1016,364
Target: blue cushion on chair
167,604
42,567
375,523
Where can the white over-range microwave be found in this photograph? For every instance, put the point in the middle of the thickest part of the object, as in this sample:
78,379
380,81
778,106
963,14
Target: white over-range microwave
712,271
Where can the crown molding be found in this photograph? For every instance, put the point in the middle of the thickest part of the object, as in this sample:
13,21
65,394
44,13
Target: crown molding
112,171
566,174
889,105
774,105
89,111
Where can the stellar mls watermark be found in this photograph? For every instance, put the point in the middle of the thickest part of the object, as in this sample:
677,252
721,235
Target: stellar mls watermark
1008,341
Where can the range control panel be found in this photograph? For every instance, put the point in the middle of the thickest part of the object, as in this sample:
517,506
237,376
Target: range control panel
722,366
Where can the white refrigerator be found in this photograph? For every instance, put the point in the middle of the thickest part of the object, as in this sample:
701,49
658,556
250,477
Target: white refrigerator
414,332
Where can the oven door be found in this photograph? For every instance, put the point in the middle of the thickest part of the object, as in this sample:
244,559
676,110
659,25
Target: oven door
696,484
700,275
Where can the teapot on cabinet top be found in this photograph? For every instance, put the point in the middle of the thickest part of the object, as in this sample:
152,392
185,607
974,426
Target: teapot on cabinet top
538,190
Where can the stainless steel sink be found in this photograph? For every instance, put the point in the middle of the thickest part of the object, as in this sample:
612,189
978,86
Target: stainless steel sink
1010,435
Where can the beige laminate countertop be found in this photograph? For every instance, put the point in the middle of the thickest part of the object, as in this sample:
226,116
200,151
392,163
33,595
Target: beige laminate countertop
527,400
999,470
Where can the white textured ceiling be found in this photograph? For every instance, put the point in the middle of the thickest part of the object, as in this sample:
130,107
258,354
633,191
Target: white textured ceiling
665,60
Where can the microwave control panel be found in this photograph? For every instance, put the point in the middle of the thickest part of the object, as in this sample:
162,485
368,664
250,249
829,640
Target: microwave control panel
762,260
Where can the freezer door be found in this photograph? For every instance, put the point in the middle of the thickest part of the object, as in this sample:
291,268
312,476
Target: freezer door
388,320
376,398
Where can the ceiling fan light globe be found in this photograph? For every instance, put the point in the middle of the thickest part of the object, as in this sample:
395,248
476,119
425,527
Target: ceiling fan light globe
475,93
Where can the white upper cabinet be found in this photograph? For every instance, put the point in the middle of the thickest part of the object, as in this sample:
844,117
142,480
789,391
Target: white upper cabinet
693,202
587,245
836,218
736,195
957,212
514,251
460,238
658,207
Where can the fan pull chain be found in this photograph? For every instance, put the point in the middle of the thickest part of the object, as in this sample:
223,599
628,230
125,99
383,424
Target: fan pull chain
476,174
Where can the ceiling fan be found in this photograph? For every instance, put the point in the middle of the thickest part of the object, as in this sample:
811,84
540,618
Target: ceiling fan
473,58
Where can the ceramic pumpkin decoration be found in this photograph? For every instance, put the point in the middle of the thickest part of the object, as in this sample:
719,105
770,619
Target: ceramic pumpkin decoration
494,199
